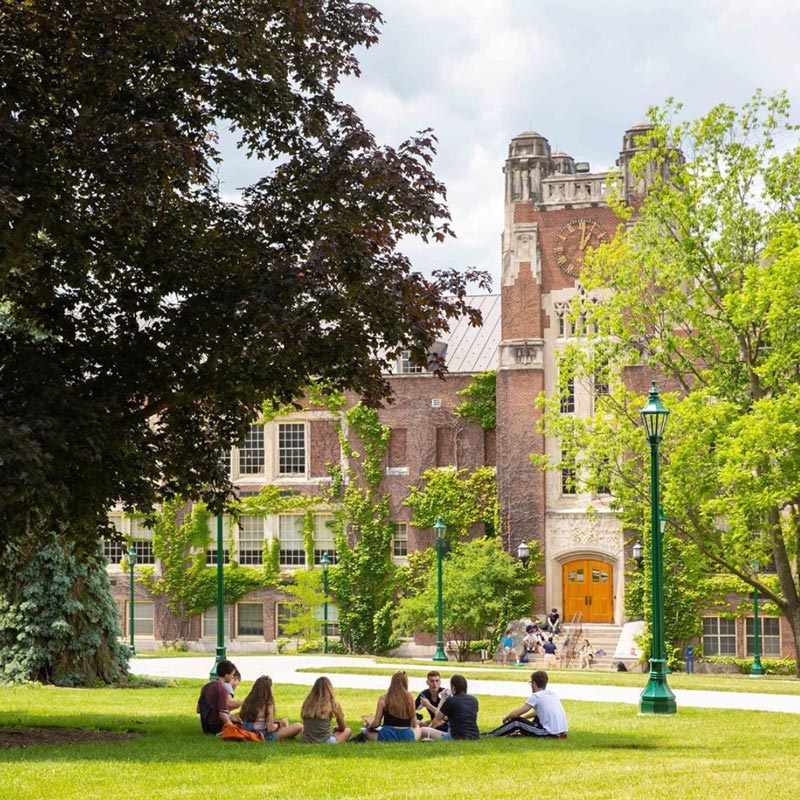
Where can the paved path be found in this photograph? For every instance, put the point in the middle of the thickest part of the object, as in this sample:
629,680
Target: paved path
283,669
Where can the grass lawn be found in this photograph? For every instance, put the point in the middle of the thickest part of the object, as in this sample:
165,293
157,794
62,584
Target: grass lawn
611,753
769,684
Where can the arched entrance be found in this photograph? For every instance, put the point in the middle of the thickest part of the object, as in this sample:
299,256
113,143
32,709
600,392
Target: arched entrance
588,586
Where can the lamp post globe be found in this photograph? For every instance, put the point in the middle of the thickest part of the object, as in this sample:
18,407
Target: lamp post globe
657,697
440,529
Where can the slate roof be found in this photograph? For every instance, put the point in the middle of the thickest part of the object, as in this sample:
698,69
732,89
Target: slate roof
475,349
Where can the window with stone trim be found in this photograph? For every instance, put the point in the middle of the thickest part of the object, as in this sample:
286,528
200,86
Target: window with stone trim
290,535
210,623
719,636
568,397
143,618
568,475
251,540
323,538
249,619
400,540
769,641
291,448
252,453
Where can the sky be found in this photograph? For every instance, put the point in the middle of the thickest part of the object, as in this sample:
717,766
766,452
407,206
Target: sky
580,72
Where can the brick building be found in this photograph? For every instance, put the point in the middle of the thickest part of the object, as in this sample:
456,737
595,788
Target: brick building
555,208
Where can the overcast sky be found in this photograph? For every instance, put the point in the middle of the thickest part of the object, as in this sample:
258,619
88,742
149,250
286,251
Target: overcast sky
577,71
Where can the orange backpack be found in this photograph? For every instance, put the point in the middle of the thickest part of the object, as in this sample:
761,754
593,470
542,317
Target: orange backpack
237,733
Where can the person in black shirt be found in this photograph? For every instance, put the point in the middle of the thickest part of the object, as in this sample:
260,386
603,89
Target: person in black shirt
460,710
431,698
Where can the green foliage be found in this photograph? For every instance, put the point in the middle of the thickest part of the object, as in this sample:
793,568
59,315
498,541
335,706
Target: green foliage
772,666
363,581
58,623
480,406
200,308
483,588
462,497
701,287
308,598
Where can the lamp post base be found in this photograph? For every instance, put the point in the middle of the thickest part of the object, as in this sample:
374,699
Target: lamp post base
440,655
657,697
757,670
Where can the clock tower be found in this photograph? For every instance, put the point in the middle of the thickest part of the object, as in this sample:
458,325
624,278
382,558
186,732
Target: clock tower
556,211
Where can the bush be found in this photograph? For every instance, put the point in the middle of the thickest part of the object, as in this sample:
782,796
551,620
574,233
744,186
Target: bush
772,666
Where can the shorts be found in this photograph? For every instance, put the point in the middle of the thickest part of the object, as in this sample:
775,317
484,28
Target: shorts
388,733
268,737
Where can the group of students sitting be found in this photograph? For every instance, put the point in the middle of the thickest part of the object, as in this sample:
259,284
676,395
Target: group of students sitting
398,717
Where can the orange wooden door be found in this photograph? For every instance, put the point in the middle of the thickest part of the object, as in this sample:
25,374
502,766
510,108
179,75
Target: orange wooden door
588,587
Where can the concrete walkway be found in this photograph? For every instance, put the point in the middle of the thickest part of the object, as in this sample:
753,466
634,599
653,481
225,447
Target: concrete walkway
283,669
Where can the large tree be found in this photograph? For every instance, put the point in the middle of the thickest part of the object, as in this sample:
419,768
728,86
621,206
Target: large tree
144,319
702,287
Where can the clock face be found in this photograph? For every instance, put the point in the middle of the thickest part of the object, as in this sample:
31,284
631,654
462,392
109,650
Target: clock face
573,240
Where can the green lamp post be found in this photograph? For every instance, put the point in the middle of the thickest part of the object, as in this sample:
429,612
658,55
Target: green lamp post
757,670
657,697
325,562
221,654
440,528
131,565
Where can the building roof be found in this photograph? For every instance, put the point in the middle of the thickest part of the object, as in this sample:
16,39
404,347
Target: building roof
472,349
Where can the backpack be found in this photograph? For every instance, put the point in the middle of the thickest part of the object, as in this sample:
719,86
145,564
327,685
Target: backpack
237,733
204,710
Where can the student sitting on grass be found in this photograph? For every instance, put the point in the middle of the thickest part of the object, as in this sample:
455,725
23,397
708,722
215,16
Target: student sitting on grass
231,687
258,713
395,714
460,709
318,709
212,705
541,715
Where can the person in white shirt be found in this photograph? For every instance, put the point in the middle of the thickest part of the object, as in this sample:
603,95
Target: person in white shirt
541,715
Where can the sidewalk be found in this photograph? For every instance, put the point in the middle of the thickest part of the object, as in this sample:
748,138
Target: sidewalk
283,669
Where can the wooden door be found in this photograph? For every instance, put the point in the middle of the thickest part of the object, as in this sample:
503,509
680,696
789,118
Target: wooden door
588,587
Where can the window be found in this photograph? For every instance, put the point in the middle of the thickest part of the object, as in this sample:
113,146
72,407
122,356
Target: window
323,538
143,616
601,387
114,550
251,453
251,539
144,551
333,620
291,448
400,540
211,556
407,366
250,619
286,612
210,622
769,640
719,636
568,397
290,533
568,481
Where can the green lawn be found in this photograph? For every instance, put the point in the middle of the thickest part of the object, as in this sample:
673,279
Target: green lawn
611,753
770,684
